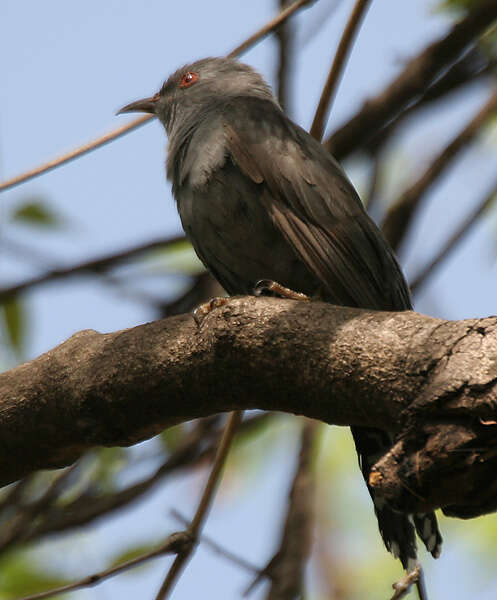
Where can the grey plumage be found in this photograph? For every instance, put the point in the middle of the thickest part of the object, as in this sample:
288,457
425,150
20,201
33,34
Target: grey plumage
259,198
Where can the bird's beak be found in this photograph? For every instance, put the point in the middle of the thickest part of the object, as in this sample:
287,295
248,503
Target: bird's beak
147,105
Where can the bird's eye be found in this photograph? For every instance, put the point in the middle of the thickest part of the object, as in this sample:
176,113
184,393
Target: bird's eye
188,79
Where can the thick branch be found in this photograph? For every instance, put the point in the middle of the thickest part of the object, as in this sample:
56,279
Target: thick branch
403,372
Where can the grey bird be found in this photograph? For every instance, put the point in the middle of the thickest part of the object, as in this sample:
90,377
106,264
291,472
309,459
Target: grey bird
260,199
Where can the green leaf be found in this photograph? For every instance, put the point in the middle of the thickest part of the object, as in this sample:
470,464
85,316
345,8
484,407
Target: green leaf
14,317
35,212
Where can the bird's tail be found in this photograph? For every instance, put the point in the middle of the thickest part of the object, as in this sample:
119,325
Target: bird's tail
397,529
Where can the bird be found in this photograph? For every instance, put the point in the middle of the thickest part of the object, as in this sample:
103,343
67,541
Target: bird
261,200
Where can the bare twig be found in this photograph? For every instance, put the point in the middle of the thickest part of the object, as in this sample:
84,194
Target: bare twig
371,194
86,507
175,544
91,266
417,76
218,549
120,131
193,530
454,239
473,65
198,446
269,27
403,586
344,47
19,526
399,216
283,34
286,568
76,153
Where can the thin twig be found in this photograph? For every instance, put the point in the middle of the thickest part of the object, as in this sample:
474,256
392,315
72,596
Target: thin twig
344,47
467,70
18,528
120,131
284,35
400,214
34,254
454,239
198,446
193,530
76,153
269,27
403,586
371,194
174,544
286,568
420,585
218,549
91,266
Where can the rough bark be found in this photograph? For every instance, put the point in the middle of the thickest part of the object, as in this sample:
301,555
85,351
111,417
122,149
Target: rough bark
432,382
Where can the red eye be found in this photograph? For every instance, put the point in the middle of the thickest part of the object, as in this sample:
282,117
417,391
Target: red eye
188,79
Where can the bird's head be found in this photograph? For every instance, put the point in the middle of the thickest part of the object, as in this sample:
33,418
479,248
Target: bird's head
194,89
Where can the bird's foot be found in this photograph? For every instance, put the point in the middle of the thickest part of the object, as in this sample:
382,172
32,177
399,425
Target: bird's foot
266,287
204,309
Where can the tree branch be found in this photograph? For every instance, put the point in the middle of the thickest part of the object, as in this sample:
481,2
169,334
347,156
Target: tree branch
457,236
174,544
400,214
336,70
431,381
95,265
204,504
417,76
287,567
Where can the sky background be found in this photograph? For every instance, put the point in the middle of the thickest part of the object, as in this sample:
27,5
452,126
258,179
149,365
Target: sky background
66,68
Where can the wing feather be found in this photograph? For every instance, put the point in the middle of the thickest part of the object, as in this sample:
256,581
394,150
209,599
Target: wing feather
313,204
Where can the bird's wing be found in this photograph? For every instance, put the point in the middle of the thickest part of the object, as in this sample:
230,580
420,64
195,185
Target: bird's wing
313,204
316,208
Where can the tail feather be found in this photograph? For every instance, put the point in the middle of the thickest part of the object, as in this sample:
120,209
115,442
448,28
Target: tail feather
398,535
427,529
397,529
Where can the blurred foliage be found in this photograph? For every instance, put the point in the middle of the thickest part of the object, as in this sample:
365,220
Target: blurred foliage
21,574
248,457
35,212
14,323
172,437
175,258
109,462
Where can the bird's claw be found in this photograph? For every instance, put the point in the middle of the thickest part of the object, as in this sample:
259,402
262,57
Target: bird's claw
205,308
267,287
